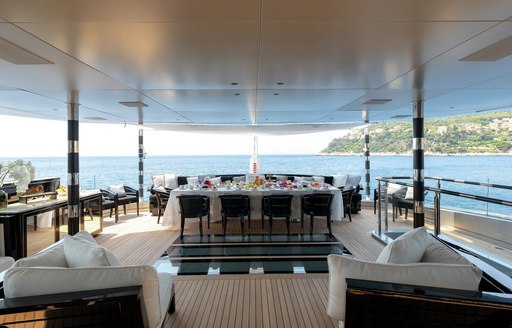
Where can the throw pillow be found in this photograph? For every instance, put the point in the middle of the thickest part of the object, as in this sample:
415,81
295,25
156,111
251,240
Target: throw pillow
118,189
408,248
51,257
352,181
171,181
82,253
437,252
410,193
158,180
339,180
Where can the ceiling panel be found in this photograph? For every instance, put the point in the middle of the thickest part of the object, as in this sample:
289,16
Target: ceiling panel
305,100
254,62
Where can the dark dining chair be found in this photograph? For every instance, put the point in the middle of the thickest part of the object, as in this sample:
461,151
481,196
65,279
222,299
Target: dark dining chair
194,206
235,206
276,206
316,205
347,202
162,197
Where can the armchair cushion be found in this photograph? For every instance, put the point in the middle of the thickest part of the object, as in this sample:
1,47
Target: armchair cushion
118,189
441,275
83,253
408,248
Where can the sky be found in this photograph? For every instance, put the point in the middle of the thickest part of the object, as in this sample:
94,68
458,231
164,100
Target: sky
28,137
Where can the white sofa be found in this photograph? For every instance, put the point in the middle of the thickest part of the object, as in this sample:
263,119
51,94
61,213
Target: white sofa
415,258
79,264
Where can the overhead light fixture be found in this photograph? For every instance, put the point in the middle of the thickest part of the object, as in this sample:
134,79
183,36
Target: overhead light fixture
493,52
133,103
376,101
234,83
236,94
400,116
95,118
17,55
276,94
280,83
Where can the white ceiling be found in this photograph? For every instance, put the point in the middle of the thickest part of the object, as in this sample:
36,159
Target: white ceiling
293,61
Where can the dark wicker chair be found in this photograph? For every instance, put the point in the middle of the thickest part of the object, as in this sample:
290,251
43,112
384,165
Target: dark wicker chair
235,206
347,202
110,202
162,197
316,205
276,206
194,206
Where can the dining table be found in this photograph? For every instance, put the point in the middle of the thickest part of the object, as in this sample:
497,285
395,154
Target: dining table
172,216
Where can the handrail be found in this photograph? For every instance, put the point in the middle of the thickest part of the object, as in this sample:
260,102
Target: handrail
437,195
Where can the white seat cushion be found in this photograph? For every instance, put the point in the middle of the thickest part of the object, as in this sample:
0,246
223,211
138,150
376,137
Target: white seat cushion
408,248
20,282
453,276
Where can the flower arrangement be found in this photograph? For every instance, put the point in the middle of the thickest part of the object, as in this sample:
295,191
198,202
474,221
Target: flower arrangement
19,172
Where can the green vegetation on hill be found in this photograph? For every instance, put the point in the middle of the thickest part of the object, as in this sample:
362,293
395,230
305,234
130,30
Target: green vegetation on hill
476,134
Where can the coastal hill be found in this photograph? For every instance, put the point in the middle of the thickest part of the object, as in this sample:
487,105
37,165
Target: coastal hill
477,134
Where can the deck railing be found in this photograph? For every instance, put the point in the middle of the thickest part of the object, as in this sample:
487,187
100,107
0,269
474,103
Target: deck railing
438,191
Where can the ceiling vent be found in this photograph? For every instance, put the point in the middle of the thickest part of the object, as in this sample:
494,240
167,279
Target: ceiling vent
16,55
376,101
133,103
495,51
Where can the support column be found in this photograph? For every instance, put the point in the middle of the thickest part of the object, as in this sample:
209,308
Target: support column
73,166
367,161
141,163
418,143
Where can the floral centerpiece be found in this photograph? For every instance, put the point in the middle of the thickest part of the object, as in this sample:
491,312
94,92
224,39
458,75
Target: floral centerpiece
20,173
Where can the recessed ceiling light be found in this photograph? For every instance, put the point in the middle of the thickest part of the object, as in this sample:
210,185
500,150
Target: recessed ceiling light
401,116
133,103
15,54
95,118
276,94
280,83
493,52
234,83
376,101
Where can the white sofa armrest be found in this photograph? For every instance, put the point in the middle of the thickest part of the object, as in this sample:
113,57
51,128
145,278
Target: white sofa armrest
20,282
453,276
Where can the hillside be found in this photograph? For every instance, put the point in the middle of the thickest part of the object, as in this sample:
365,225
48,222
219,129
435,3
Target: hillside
477,134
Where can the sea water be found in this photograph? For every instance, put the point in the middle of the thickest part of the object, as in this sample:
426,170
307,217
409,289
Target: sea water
100,172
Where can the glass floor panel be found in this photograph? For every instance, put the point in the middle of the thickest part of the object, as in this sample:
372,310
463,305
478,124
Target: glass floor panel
250,254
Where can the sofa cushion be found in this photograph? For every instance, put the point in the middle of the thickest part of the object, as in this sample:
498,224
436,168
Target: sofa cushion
82,253
440,275
408,248
20,282
118,189
339,180
437,252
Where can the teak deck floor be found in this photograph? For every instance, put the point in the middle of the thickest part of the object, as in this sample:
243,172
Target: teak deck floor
285,300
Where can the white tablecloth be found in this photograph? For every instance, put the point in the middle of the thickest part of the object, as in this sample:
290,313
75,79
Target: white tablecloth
171,215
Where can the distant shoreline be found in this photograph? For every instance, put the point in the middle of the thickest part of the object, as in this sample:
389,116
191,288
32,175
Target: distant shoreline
406,155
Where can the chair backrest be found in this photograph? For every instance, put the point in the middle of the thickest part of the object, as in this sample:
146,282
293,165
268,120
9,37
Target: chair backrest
235,205
347,196
278,205
317,204
192,206
161,197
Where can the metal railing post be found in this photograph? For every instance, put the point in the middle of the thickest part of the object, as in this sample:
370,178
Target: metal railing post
437,213
379,207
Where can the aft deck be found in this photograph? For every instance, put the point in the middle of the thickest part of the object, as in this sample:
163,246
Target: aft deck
286,300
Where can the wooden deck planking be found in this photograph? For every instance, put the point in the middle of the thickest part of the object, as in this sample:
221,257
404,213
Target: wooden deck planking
270,300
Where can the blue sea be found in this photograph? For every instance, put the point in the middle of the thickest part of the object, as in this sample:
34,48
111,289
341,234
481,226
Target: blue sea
99,172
